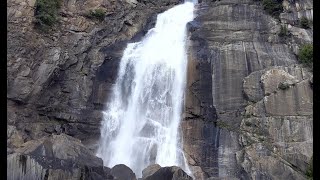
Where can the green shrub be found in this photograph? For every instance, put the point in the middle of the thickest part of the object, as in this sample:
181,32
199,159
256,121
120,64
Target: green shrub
46,12
304,23
283,32
273,7
305,54
247,123
283,86
96,14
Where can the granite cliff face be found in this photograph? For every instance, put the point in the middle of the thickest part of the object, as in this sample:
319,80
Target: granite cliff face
248,112
248,107
58,81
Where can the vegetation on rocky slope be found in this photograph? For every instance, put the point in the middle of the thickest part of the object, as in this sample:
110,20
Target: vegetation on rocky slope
273,7
304,23
283,31
98,14
46,13
306,54
284,34
283,86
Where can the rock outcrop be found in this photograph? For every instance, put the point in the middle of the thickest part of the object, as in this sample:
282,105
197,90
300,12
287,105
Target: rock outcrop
248,110
55,157
294,11
276,131
64,157
122,172
151,169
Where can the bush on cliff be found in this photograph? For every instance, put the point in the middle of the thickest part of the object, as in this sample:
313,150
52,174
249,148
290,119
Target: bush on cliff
304,23
273,7
283,86
283,32
305,54
98,14
46,12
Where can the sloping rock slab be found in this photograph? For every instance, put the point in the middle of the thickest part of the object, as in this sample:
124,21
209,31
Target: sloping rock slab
151,169
55,157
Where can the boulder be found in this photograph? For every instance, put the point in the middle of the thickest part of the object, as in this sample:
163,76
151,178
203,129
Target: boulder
169,173
150,170
122,172
272,78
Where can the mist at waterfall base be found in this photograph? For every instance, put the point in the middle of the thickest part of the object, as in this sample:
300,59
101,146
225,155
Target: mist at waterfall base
142,117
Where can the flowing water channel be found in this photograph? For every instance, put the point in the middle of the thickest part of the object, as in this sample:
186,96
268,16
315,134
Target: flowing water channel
142,117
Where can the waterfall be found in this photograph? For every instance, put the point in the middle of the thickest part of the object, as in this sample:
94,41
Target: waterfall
142,117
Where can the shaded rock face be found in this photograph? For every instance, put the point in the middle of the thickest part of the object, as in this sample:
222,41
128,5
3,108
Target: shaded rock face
56,157
168,173
58,81
248,107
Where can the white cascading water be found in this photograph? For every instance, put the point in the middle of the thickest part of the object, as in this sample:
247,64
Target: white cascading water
141,121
